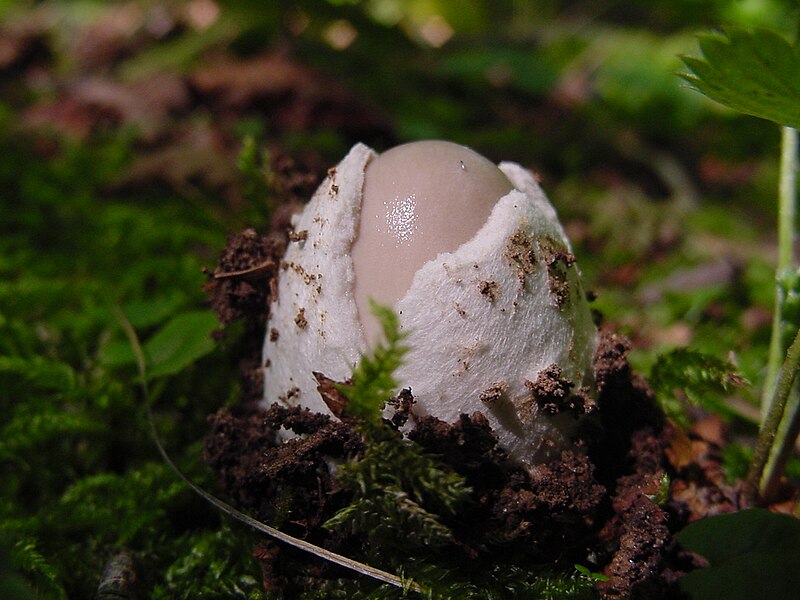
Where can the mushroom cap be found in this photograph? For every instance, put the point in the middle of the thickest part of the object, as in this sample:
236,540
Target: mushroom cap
420,199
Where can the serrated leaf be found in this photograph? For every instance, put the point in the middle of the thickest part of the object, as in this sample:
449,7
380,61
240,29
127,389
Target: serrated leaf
753,554
180,342
754,72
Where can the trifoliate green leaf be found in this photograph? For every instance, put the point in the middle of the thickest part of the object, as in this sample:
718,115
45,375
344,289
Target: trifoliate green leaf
753,554
756,73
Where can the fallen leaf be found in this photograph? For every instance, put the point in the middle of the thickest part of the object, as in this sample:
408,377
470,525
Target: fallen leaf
196,157
333,398
93,102
295,96
679,450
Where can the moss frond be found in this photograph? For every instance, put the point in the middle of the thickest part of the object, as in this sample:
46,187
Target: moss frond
373,380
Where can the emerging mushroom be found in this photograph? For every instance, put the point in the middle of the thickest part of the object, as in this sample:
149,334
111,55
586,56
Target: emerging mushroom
473,259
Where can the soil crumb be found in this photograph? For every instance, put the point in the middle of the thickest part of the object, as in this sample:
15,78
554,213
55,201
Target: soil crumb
489,290
242,284
558,261
273,478
553,393
520,255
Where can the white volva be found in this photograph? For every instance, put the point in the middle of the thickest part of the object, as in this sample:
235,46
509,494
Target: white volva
486,307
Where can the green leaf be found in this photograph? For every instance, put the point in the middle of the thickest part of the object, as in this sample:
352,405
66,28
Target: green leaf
147,313
180,342
753,554
589,574
753,72
789,284
116,353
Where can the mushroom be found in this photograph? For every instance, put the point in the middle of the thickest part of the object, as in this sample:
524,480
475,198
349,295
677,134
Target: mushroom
475,262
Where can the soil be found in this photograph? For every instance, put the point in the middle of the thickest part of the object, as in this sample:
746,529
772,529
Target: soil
553,394
614,502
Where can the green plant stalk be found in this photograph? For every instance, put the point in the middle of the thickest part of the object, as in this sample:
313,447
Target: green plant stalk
786,237
787,429
768,436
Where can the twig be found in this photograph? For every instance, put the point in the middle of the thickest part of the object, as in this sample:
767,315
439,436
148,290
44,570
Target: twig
262,267
338,559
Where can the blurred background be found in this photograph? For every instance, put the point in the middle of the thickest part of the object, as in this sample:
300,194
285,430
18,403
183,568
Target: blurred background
136,135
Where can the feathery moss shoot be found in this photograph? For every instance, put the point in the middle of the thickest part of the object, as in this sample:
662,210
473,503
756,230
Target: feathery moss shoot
373,382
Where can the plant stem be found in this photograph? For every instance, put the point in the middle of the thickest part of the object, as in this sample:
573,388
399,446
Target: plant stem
786,237
769,430
780,439
787,197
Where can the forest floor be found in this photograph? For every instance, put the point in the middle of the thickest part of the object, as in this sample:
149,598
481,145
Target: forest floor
137,137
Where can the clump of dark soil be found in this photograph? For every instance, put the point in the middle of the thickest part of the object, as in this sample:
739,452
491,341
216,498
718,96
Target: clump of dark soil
612,503
244,282
541,507
275,479
553,394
